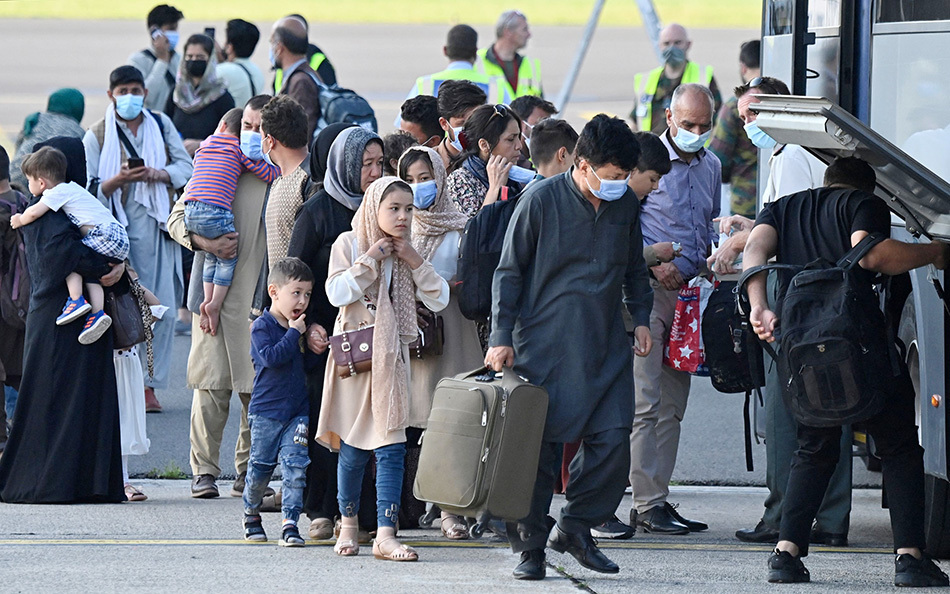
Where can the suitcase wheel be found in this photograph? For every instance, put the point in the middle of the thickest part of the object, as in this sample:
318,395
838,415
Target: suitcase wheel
476,530
425,521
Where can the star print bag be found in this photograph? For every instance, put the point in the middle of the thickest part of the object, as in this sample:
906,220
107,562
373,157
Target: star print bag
684,348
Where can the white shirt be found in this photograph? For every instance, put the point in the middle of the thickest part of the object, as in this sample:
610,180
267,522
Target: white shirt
80,206
792,169
242,84
445,260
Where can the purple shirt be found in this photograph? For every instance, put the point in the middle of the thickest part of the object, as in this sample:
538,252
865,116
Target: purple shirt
683,207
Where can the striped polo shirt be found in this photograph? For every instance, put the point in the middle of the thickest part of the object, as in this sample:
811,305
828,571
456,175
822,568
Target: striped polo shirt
218,165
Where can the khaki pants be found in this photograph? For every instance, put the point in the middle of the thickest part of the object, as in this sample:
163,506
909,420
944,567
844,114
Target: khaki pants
661,394
209,415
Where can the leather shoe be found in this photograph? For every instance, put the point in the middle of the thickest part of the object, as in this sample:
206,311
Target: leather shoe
531,566
761,533
583,548
693,525
658,520
151,402
829,539
203,486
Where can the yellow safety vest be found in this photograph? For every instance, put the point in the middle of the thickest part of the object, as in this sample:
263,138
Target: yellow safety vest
493,86
529,74
646,88
315,62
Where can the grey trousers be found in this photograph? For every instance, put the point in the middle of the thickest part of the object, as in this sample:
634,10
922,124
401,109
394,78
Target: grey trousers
594,491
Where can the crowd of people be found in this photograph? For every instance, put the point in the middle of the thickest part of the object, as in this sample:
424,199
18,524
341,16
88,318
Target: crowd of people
273,233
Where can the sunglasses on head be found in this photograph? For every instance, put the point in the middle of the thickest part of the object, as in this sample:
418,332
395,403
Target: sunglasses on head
500,110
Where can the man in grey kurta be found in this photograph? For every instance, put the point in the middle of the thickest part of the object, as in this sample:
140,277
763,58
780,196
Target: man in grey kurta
153,254
572,253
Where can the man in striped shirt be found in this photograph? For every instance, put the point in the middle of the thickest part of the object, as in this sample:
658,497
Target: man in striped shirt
220,161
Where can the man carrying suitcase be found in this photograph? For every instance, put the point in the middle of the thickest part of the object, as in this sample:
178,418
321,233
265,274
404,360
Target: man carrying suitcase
573,251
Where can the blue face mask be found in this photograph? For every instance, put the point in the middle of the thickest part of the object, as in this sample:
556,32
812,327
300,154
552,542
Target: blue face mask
264,155
423,194
689,142
251,145
172,37
610,189
270,56
520,174
129,106
457,143
758,137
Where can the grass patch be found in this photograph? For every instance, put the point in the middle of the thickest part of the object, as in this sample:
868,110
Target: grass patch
171,471
617,13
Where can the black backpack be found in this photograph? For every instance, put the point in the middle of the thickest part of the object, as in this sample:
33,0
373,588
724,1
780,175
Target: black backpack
733,355
836,357
479,254
14,274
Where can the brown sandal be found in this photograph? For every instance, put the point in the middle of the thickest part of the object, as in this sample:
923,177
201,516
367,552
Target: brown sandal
457,530
400,553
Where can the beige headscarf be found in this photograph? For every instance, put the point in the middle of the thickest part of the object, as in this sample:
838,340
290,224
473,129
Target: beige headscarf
396,322
430,226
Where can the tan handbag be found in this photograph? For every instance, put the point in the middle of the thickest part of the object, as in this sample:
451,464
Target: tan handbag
352,351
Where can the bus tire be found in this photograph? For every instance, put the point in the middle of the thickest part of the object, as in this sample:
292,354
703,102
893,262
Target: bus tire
936,516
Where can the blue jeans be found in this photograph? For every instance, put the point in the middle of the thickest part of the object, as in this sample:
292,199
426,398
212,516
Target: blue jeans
208,220
272,441
390,466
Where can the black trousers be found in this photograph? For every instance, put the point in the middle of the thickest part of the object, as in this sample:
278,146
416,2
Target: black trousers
595,489
902,460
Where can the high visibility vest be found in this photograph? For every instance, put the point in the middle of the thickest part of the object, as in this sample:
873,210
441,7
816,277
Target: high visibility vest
315,61
529,74
646,88
493,86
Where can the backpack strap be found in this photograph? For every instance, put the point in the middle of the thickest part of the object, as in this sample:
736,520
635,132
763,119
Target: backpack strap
854,255
169,77
250,79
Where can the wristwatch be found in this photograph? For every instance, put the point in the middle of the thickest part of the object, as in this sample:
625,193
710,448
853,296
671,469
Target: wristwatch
677,247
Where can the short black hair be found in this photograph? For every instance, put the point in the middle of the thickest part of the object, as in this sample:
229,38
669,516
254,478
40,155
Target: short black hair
406,161
459,96
766,84
547,138
749,53
423,110
654,156
295,44
526,104
394,145
124,75
284,119
852,172
289,269
243,37
203,40
461,43
4,164
162,15
608,141
232,120
257,102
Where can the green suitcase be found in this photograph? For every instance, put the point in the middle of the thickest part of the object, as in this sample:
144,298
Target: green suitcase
480,451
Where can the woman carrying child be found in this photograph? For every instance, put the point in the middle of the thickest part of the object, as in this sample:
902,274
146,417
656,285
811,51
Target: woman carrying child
375,277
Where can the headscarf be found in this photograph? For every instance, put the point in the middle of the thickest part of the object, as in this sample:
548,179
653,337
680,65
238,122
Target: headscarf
75,156
345,164
67,102
396,322
430,226
191,99
320,149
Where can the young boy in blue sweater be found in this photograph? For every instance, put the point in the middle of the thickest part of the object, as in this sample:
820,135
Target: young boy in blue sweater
279,407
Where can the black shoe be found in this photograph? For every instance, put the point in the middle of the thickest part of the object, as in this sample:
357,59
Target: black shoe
237,489
693,525
659,521
583,548
290,537
204,487
531,566
253,529
830,539
785,569
761,533
918,573
613,529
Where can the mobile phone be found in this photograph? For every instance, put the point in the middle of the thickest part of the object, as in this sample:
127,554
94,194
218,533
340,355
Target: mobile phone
156,33
209,31
136,163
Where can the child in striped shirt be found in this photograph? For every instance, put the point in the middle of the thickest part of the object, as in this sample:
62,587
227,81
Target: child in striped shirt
218,165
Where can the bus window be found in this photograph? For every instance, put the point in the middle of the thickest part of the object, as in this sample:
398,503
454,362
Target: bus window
778,17
899,11
824,13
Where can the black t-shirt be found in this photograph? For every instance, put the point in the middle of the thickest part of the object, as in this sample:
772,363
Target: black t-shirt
818,223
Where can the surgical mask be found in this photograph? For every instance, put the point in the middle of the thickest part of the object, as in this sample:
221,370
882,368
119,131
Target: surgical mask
265,156
270,56
520,174
457,143
610,189
172,37
526,141
251,145
758,136
689,142
424,193
674,56
129,106
196,67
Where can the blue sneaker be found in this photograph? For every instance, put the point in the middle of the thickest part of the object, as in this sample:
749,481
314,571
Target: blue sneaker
73,310
96,326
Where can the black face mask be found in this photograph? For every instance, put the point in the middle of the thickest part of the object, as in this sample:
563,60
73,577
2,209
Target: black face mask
196,67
